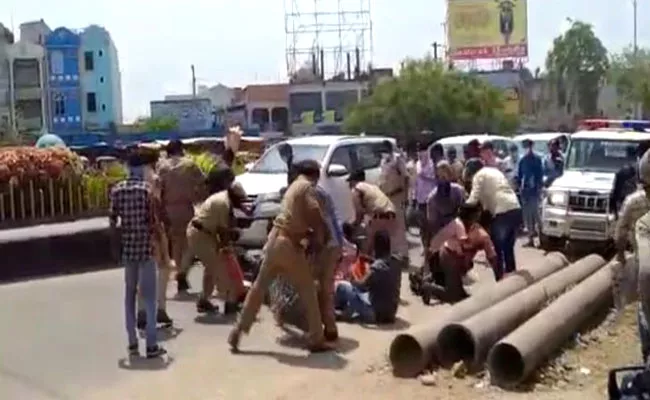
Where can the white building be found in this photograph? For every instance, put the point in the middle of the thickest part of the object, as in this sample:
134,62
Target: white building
27,86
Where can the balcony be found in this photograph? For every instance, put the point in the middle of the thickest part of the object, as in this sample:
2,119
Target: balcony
27,93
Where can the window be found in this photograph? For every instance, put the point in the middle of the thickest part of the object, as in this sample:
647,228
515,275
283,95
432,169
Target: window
101,79
91,102
272,163
341,156
101,53
103,107
601,155
59,105
56,62
368,156
89,62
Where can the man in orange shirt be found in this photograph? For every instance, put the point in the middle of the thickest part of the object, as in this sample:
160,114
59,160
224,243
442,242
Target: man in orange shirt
465,238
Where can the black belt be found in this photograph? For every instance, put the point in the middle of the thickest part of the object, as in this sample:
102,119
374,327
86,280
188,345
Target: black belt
199,227
384,215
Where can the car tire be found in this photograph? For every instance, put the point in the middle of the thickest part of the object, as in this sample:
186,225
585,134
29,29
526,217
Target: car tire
550,243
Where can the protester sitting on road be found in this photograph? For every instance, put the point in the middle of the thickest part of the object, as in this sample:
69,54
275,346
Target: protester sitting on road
493,192
373,298
466,237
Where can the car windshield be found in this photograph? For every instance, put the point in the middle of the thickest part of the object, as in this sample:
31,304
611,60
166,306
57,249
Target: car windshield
600,155
272,163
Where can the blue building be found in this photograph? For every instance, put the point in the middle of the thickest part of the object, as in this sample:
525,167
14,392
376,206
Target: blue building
100,80
64,83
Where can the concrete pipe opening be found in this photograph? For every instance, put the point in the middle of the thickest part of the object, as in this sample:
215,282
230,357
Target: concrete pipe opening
506,364
455,342
407,356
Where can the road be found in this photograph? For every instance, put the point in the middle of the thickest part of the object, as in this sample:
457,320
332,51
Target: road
63,338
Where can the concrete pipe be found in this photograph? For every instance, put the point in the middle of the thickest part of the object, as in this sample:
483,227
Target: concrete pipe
411,352
512,359
471,339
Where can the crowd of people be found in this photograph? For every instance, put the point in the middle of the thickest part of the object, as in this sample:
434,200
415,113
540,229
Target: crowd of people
316,268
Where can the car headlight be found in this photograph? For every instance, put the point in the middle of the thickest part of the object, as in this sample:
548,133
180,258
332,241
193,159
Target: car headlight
557,199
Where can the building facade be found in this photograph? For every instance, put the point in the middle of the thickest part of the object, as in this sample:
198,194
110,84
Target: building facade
101,84
34,32
27,87
320,107
64,82
6,122
190,114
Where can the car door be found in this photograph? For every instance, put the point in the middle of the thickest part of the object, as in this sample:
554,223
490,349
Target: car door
368,158
338,187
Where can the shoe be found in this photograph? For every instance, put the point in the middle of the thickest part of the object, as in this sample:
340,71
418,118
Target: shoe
231,308
163,318
331,336
204,306
320,347
233,340
155,351
133,350
182,284
141,321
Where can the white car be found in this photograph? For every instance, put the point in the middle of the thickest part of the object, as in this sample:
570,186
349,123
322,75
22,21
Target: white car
540,140
577,205
338,156
501,143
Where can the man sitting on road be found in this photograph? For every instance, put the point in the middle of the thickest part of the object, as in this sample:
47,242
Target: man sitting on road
464,237
373,298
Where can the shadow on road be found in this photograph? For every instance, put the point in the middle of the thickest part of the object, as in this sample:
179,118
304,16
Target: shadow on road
330,360
296,341
398,325
214,319
164,334
145,364
186,297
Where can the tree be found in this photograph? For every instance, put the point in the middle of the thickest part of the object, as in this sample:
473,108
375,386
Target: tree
161,124
630,73
577,65
427,96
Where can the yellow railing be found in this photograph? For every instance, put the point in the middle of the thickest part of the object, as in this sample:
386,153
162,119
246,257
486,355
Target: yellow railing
51,200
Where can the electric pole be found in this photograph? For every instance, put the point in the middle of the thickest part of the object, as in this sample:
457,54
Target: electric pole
193,82
637,107
435,46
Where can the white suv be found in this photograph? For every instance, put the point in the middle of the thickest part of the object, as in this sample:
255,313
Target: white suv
338,155
576,206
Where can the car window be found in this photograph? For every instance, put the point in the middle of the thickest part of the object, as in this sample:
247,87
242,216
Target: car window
271,162
341,156
368,155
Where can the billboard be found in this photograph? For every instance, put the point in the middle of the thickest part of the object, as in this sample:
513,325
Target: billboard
486,29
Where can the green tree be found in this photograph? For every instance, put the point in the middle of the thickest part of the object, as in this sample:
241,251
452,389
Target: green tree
630,73
577,64
428,96
161,124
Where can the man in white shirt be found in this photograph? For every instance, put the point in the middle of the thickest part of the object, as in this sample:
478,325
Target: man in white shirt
491,189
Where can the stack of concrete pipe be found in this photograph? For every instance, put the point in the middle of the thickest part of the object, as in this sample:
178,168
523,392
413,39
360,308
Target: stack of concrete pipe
412,352
504,323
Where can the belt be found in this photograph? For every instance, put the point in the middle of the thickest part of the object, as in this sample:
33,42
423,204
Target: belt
384,215
199,227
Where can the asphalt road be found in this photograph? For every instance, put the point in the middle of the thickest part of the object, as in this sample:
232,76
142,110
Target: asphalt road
63,338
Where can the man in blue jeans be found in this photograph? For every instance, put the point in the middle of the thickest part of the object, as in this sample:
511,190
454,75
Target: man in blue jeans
491,189
132,204
530,181
375,297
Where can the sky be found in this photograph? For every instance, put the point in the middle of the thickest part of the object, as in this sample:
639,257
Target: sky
240,42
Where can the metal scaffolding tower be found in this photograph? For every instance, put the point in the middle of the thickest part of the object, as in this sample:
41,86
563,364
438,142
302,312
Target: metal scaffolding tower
325,34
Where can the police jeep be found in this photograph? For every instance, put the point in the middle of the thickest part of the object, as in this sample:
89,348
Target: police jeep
576,207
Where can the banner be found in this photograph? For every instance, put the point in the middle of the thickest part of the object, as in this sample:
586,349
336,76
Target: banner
486,29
